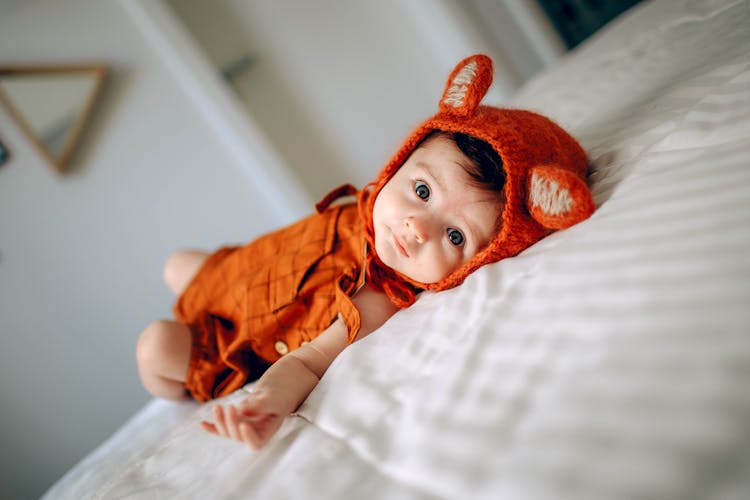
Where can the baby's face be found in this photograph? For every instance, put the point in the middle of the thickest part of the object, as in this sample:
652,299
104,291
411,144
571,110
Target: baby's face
429,219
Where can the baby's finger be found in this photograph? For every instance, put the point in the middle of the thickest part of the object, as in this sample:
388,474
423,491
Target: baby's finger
219,421
231,423
209,427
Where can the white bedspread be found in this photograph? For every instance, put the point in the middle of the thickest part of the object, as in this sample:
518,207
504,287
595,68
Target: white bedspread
609,361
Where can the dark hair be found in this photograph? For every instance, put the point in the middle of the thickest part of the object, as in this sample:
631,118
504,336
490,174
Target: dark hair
486,166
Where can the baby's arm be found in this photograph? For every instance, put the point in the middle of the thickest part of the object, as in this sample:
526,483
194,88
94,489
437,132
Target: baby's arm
288,382
280,390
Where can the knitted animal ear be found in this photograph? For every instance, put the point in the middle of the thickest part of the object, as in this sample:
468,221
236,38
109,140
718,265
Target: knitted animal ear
466,86
558,198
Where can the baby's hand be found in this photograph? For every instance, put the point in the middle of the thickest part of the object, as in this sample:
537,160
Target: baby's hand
254,421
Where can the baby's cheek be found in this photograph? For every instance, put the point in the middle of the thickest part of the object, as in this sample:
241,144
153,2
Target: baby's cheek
444,265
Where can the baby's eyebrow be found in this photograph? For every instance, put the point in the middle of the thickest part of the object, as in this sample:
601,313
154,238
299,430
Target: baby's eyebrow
475,236
431,172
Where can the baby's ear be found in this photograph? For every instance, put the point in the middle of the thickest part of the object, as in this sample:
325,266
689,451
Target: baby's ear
558,198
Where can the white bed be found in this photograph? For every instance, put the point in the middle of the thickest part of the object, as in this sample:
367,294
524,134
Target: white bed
609,361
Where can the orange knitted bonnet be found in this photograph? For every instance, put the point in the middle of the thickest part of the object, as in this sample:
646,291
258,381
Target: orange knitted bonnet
545,176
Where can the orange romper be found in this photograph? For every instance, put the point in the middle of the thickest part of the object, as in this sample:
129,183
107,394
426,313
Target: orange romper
249,305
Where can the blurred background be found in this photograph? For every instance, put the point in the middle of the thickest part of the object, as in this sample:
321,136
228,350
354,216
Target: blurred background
217,121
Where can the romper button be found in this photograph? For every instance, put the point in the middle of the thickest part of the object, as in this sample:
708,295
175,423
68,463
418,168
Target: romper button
281,347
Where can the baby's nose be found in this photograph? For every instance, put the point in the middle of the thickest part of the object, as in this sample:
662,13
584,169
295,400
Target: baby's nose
418,228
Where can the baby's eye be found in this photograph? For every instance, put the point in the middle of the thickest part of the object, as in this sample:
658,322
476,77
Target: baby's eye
456,237
422,190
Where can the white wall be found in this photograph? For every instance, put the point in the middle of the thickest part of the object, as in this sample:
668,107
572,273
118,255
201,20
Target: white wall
338,85
81,254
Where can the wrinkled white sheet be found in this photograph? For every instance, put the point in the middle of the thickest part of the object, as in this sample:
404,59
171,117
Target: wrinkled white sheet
611,360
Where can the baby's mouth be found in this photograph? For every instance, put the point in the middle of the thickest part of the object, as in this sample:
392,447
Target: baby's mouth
400,246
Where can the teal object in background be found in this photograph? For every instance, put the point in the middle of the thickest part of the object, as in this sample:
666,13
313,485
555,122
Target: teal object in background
4,154
576,20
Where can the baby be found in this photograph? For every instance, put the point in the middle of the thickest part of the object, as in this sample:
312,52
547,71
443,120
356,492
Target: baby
470,186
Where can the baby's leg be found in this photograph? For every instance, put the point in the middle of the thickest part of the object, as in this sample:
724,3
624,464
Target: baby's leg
163,354
181,267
